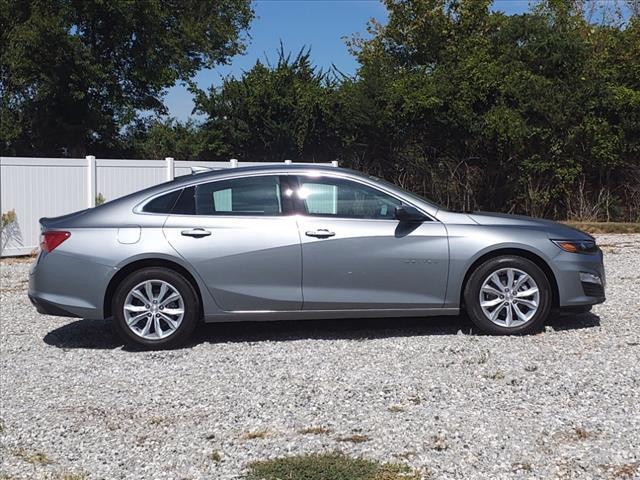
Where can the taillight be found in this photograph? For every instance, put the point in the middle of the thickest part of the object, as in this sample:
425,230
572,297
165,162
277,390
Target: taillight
51,240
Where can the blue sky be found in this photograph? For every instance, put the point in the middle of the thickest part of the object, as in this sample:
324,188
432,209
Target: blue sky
319,24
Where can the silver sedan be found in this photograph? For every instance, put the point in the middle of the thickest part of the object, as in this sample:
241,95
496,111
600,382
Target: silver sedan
304,242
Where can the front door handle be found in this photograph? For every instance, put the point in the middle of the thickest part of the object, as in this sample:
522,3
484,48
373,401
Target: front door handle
320,233
196,232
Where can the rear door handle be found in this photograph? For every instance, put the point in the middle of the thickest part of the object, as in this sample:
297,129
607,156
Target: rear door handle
196,232
320,233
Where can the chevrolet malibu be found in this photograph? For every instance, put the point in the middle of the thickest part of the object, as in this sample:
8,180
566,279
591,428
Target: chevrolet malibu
304,242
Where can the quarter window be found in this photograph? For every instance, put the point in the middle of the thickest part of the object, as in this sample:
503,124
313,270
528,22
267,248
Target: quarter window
162,204
335,197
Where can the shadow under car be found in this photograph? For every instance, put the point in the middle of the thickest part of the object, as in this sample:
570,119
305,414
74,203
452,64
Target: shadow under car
99,334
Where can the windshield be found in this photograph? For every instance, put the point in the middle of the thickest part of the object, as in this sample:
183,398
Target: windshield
408,193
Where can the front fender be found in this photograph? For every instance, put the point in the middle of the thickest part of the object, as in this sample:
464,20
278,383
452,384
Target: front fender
469,243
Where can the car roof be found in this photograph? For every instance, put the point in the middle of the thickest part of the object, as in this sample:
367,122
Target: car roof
199,176
182,181
274,167
220,173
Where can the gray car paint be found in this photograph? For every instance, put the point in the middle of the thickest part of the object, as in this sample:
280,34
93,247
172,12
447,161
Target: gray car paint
374,264
247,263
265,268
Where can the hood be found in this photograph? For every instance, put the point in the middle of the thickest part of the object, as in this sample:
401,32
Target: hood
554,229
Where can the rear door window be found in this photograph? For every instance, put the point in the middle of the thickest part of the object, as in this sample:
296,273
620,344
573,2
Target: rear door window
250,196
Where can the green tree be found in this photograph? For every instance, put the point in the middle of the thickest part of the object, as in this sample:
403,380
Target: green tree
534,113
159,138
272,113
73,73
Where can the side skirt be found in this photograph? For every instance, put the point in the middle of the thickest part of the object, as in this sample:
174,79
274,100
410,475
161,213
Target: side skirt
271,315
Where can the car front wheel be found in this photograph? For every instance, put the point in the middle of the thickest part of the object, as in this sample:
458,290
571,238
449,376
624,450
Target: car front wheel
155,308
508,295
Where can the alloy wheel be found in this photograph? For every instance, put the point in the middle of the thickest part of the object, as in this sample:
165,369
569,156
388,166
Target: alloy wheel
153,309
509,297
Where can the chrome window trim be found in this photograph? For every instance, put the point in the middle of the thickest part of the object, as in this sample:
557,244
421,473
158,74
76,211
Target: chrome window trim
140,206
370,184
300,173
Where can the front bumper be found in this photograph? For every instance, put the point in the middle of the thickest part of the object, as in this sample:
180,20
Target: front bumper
581,279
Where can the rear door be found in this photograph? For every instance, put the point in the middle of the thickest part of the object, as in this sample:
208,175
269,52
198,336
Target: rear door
357,256
239,236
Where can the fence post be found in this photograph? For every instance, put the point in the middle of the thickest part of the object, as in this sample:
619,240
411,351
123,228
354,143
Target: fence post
170,169
91,181
234,162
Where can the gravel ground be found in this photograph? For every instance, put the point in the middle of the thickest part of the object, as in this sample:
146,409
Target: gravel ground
561,404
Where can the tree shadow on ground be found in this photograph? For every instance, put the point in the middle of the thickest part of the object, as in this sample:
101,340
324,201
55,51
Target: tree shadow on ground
99,334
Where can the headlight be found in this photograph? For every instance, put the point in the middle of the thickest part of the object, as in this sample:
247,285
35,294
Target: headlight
577,246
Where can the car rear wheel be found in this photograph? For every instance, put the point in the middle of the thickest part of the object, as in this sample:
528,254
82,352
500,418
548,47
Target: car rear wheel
155,308
508,295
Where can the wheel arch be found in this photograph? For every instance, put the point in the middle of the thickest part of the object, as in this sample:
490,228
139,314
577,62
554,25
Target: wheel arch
520,252
129,268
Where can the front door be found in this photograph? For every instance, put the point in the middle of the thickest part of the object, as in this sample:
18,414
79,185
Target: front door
238,236
357,256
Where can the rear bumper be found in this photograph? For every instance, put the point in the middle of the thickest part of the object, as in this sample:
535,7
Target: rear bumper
571,270
49,308
68,286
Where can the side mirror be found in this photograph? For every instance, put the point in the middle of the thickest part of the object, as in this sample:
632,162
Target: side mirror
407,213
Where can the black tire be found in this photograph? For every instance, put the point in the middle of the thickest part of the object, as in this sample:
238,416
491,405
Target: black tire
482,272
179,283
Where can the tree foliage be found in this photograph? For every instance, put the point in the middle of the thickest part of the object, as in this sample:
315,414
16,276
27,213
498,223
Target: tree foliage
536,113
274,112
161,138
74,72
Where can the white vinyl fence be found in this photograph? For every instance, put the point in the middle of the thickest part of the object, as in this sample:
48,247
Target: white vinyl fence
49,187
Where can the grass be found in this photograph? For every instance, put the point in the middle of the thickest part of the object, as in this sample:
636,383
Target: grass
21,259
480,359
581,433
328,466
254,435
521,467
356,438
157,420
605,227
314,431
215,456
574,434
439,443
494,376
69,476
625,471
35,458
396,409
51,476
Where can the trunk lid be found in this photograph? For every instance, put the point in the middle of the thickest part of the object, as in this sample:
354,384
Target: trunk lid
48,223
